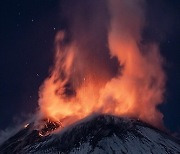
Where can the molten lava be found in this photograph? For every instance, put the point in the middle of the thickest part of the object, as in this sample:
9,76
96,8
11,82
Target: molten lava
76,89
47,126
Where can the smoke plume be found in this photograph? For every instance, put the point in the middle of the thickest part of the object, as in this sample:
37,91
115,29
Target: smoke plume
102,65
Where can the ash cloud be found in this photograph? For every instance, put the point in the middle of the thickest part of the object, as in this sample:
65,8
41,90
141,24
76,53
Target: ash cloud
88,24
102,54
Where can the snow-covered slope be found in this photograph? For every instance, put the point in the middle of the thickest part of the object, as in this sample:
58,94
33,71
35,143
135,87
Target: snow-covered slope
99,134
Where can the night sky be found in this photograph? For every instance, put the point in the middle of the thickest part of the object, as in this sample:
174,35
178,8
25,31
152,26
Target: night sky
27,31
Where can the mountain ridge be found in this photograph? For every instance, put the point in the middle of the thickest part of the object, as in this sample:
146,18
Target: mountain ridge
96,134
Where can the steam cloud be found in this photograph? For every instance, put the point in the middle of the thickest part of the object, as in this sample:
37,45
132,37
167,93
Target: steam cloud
103,65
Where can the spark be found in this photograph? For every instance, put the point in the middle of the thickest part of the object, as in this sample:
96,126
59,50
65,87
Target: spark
26,125
40,134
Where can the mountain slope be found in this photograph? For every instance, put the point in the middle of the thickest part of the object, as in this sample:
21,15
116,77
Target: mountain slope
99,134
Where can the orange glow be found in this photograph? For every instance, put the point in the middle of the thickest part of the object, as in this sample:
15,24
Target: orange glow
135,91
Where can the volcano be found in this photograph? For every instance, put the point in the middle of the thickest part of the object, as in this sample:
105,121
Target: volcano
96,134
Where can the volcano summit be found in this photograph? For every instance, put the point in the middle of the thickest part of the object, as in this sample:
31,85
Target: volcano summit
97,134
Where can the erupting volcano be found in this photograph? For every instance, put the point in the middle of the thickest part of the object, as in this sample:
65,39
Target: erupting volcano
104,87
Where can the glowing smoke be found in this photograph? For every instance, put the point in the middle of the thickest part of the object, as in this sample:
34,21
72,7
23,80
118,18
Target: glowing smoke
101,64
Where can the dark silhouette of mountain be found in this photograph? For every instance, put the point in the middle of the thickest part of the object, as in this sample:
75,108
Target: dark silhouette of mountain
97,134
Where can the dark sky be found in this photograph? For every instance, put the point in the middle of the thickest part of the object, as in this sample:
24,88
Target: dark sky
27,30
